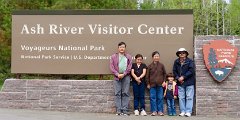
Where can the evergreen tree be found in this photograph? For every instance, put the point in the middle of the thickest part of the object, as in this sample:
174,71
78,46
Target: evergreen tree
234,12
212,58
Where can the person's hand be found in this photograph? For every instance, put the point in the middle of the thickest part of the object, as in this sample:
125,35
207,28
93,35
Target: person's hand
181,82
148,86
164,95
139,80
175,97
164,84
181,79
120,76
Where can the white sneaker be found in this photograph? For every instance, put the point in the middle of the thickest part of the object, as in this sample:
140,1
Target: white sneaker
143,113
182,114
136,112
188,114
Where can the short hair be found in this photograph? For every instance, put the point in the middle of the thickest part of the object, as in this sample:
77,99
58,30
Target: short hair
170,75
122,43
155,52
138,55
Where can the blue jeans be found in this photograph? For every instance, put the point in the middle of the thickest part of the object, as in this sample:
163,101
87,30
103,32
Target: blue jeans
185,95
122,95
156,99
171,107
139,95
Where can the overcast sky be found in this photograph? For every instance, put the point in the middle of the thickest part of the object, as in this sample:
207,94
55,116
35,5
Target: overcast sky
227,1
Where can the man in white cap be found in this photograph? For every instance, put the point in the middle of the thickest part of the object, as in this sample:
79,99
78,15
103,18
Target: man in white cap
184,72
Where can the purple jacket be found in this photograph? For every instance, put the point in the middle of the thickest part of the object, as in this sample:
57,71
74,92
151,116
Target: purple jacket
114,65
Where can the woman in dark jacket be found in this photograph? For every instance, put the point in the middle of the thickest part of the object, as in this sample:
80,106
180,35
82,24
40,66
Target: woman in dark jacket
184,72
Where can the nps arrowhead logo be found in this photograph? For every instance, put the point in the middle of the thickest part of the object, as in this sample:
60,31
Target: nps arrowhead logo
220,58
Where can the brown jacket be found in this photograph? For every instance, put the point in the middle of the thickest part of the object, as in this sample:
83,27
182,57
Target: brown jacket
156,74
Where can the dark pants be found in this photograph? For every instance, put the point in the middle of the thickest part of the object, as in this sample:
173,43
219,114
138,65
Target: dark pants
139,95
171,107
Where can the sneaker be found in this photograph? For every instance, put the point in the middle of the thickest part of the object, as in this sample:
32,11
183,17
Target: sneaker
182,114
188,114
154,114
160,114
125,114
170,114
136,112
143,113
118,114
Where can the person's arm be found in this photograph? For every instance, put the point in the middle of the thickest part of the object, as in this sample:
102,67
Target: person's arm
175,71
112,68
144,73
129,66
164,84
132,73
148,77
135,76
190,71
165,91
164,73
173,87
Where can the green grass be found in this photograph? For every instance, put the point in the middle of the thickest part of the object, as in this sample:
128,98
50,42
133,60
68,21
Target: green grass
1,84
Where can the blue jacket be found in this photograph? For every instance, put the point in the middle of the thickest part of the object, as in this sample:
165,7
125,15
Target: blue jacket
187,70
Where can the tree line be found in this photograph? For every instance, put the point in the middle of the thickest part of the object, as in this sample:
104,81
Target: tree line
211,17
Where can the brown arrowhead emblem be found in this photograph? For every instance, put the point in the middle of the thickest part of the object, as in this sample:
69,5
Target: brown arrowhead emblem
220,58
